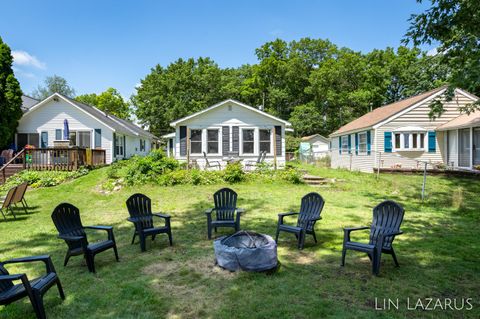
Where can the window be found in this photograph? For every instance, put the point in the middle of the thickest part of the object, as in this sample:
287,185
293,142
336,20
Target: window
265,140
406,141
195,141
397,141
84,139
119,144
212,141
422,140
345,144
362,143
142,145
58,134
248,141
27,138
72,136
414,140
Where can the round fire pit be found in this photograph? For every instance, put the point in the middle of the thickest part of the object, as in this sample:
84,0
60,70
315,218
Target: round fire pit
246,250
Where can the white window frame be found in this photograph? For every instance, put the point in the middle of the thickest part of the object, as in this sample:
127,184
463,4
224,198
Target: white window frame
270,151
219,140
344,149
410,148
360,152
118,143
255,141
202,142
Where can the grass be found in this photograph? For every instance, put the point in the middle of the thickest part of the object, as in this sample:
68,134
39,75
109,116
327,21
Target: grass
438,252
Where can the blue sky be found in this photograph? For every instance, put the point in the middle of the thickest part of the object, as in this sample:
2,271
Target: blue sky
100,44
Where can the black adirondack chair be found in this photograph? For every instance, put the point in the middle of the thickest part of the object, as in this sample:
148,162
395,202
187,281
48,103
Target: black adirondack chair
387,218
227,212
310,210
140,210
33,289
66,218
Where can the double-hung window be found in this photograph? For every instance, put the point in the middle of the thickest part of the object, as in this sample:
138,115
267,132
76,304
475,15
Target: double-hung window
212,141
362,143
119,145
195,141
248,141
344,144
84,139
265,140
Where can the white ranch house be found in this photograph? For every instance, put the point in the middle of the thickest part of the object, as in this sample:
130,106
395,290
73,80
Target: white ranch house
42,126
318,145
228,130
403,136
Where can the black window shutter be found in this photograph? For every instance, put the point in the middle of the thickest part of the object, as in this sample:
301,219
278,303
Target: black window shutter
235,139
183,141
225,140
114,144
278,140
98,138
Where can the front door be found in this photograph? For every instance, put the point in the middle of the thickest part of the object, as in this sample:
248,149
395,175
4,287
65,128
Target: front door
476,146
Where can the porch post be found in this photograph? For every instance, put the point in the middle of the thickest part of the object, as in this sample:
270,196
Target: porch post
471,148
188,147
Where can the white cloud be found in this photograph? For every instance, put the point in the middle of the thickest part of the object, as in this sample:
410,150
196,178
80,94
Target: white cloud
26,59
24,74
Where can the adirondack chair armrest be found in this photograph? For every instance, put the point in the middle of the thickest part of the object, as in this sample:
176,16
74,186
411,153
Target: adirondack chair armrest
44,258
282,215
108,229
165,216
348,230
13,277
240,210
209,211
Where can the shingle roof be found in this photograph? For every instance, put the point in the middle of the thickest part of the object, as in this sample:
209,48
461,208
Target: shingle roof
462,121
118,124
384,112
308,138
28,102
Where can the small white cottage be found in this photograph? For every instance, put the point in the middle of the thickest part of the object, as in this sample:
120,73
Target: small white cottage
402,135
42,124
318,145
229,130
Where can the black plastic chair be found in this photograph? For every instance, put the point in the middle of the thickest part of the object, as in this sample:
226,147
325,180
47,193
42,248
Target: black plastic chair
310,210
387,218
34,289
140,210
66,218
227,213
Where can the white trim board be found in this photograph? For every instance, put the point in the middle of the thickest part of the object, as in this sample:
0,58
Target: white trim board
251,108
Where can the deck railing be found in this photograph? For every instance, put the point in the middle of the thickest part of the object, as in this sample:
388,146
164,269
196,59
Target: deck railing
63,159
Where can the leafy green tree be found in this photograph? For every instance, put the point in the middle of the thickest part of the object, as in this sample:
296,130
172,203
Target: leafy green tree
110,101
307,120
53,84
182,88
455,24
10,97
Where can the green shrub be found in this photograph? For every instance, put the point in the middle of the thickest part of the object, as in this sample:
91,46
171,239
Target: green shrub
147,169
190,177
234,173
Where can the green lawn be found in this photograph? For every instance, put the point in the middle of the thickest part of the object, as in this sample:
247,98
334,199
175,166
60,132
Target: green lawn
438,253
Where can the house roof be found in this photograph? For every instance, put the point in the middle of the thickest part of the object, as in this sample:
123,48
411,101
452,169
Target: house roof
28,102
311,137
462,121
251,108
384,112
115,123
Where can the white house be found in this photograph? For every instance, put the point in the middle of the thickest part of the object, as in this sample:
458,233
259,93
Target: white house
318,145
402,135
43,123
228,130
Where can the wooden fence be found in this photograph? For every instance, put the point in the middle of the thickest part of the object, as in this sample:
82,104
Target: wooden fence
63,159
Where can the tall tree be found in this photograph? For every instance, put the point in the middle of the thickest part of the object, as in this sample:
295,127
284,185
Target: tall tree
110,101
183,87
53,84
10,97
455,25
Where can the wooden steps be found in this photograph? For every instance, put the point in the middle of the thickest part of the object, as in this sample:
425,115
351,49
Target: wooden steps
315,180
10,170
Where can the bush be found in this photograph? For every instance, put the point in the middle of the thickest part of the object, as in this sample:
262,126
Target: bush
42,178
234,173
190,177
147,169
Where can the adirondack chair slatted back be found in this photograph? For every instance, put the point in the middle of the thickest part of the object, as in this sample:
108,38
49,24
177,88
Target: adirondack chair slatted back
9,198
311,208
225,203
387,218
140,205
18,196
4,284
66,218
